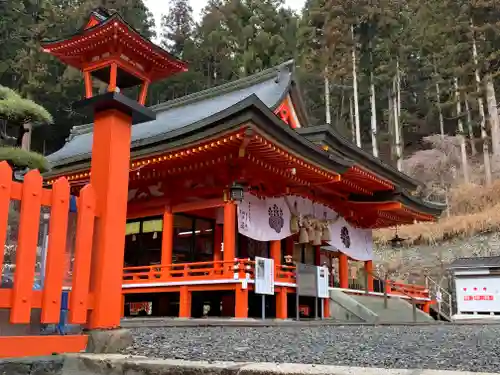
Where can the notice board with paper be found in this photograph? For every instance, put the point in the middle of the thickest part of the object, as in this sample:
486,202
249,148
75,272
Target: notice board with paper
264,276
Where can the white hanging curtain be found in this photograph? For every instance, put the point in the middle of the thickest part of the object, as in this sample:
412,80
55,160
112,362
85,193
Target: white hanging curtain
357,243
268,219
264,219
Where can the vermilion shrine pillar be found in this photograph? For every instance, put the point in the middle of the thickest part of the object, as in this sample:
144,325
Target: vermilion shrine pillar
369,275
167,244
218,238
110,50
343,271
281,292
276,252
109,177
326,307
229,235
229,256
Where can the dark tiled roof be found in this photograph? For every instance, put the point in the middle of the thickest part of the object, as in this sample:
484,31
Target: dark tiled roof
270,86
476,262
405,198
329,136
253,99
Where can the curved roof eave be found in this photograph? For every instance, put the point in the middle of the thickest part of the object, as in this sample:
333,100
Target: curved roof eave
431,208
110,18
403,197
249,110
270,86
341,145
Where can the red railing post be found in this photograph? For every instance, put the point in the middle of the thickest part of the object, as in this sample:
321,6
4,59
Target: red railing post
29,224
54,270
5,190
83,256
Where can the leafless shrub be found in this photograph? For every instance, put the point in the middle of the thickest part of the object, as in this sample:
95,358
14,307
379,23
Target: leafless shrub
437,167
473,208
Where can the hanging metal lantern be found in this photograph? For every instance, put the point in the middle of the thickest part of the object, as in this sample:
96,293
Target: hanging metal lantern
236,192
397,242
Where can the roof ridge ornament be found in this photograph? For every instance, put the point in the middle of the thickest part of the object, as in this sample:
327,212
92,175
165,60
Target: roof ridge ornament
103,13
284,69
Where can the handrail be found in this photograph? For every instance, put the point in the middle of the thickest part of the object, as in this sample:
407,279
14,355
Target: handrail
445,297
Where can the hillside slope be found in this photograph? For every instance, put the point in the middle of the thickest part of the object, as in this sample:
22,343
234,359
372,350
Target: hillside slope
471,229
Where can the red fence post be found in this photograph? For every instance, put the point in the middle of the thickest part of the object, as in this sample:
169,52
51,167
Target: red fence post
78,303
29,224
5,189
54,270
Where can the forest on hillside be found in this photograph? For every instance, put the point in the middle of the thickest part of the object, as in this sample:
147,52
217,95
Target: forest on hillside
413,82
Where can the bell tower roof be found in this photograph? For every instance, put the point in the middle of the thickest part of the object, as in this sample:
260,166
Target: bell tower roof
107,40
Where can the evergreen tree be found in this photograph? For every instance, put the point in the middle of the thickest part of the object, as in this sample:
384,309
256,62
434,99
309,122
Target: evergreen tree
241,37
177,37
15,113
177,27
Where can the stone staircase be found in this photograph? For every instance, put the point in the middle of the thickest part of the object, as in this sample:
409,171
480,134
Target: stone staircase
370,309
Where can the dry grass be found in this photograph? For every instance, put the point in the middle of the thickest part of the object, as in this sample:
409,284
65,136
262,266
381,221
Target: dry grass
472,198
474,209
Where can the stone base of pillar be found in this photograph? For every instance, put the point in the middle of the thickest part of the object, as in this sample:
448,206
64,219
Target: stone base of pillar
108,341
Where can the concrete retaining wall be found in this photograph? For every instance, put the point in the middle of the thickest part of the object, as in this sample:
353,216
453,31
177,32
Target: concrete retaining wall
87,364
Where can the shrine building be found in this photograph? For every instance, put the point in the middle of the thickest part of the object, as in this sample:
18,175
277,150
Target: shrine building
228,174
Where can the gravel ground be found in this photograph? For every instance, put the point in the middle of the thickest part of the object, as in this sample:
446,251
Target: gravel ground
446,347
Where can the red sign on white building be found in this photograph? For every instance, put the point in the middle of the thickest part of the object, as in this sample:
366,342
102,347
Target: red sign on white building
479,294
479,298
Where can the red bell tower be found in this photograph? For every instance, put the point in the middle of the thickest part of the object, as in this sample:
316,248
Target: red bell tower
109,49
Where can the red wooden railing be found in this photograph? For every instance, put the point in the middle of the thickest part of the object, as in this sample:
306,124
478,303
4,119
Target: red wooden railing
285,273
201,271
415,291
217,270
177,272
21,299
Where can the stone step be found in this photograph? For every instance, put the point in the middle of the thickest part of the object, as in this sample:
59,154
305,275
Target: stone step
398,310
344,307
371,309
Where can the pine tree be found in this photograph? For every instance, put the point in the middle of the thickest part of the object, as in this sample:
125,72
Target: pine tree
177,37
325,61
241,37
15,113
177,27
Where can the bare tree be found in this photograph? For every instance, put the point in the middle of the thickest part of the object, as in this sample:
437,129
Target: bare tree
461,137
